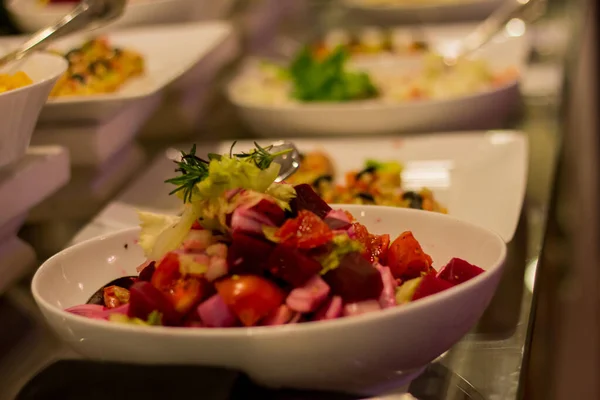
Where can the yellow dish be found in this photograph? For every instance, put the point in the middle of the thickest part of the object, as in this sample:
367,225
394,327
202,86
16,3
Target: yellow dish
15,81
97,67
379,183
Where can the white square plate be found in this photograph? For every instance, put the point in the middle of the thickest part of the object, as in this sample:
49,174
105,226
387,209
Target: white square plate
480,176
169,52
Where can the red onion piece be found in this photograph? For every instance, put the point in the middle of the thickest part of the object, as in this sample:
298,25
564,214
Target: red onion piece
95,311
309,297
387,298
214,313
246,220
217,268
332,309
362,307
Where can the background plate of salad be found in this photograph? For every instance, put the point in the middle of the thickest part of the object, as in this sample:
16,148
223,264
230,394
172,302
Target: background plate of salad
479,177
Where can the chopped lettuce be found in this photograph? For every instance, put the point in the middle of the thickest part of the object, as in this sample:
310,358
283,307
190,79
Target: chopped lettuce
233,173
154,319
282,193
162,233
152,226
406,291
342,245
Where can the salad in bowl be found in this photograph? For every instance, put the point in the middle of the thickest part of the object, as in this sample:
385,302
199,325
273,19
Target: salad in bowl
255,274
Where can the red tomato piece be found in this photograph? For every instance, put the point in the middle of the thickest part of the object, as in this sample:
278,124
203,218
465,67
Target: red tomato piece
306,231
185,293
406,258
250,297
166,272
376,246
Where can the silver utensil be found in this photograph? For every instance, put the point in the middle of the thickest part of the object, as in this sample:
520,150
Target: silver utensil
88,14
523,10
290,162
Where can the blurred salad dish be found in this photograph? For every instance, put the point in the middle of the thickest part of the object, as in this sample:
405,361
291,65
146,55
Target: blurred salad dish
98,67
329,77
371,41
377,183
251,252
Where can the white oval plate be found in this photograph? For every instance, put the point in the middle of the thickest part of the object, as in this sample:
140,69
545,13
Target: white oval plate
432,11
480,176
482,110
169,51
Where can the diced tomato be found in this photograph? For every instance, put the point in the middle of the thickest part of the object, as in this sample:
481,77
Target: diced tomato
376,246
250,297
306,231
406,258
166,272
185,293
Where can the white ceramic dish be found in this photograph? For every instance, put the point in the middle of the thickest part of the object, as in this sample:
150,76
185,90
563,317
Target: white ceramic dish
411,11
480,176
170,51
31,15
21,108
337,355
481,110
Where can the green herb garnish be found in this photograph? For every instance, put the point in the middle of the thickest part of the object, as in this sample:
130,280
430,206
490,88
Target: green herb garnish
193,169
328,79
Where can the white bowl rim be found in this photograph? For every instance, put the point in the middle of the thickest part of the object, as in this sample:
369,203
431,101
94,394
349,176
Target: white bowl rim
366,105
339,323
42,81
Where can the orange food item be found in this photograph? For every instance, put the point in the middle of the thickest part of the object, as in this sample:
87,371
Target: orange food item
306,231
407,259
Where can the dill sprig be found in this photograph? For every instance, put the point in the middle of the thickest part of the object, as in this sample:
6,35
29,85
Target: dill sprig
261,156
193,169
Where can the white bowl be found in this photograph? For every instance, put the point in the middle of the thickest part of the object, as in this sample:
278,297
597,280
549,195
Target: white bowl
31,15
488,109
21,108
358,354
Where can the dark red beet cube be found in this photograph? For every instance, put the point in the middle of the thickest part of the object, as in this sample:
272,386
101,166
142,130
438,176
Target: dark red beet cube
458,271
292,266
144,298
270,210
307,199
355,279
429,285
247,254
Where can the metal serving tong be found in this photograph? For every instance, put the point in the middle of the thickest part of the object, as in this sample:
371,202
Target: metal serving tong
90,14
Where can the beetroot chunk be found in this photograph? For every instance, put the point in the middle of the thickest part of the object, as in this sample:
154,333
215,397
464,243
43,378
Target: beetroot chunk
145,298
270,210
458,271
307,199
355,279
292,266
430,284
247,254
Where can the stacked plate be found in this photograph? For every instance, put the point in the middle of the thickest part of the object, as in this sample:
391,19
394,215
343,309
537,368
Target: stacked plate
99,129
